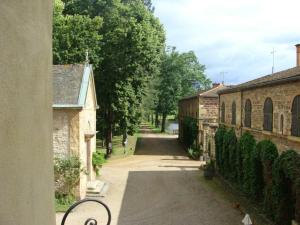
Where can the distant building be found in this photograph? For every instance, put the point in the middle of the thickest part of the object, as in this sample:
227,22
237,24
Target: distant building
74,116
268,107
203,107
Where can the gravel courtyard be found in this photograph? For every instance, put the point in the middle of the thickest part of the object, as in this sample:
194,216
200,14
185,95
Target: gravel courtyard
159,185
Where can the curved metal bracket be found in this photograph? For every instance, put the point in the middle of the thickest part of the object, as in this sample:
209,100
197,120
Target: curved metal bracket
89,221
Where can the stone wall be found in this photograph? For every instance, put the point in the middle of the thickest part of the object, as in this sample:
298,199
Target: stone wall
209,108
282,96
26,156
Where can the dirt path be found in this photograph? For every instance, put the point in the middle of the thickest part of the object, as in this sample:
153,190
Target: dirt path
159,185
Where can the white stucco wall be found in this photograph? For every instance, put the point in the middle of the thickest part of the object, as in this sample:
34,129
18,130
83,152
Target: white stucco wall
26,156
87,126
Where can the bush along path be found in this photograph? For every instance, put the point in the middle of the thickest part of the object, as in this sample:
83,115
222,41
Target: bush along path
259,172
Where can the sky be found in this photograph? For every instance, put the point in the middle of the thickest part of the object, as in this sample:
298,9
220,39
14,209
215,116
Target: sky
234,37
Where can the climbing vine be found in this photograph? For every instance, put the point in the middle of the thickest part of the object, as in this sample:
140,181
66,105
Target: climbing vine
190,131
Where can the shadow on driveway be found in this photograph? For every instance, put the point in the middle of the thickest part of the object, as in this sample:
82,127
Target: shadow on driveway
172,198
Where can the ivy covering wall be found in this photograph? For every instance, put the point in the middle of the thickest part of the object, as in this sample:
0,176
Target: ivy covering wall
190,131
258,171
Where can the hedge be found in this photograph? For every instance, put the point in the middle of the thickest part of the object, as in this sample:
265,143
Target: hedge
190,131
258,171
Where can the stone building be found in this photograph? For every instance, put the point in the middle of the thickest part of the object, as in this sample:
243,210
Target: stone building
74,117
203,106
268,107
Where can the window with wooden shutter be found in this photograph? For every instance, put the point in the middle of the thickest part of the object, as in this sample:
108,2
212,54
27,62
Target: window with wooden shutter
233,113
295,131
223,113
248,111
268,115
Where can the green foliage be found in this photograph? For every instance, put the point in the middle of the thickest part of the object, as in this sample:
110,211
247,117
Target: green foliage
180,75
62,204
229,155
219,138
194,152
286,188
246,147
66,176
262,160
190,131
98,160
73,35
261,174
126,57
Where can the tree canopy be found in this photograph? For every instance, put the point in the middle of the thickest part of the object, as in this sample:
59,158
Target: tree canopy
181,74
126,51
73,35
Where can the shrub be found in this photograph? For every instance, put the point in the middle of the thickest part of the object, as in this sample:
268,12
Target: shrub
66,176
219,136
286,188
229,155
194,153
98,160
246,147
190,131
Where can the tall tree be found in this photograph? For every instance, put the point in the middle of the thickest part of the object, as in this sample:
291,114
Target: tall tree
180,75
73,35
131,48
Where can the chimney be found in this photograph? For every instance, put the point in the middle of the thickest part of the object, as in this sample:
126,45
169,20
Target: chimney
214,85
298,54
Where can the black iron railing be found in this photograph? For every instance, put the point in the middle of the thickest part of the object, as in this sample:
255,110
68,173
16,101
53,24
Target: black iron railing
89,221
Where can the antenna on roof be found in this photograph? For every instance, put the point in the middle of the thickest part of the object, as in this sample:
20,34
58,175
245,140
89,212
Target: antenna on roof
223,76
87,56
273,53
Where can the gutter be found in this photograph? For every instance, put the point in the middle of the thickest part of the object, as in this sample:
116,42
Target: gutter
65,106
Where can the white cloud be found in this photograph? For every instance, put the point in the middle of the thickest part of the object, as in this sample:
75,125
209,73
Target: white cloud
235,36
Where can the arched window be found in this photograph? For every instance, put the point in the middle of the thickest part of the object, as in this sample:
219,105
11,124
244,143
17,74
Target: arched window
233,113
223,113
268,114
248,110
296,117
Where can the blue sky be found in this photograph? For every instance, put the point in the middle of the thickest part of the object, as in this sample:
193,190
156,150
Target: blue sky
234,36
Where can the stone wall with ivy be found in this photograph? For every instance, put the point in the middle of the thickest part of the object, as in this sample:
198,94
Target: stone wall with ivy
256,169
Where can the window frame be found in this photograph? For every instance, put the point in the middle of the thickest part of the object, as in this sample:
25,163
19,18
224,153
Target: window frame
268,115
248,114
295,113
223,112
233,113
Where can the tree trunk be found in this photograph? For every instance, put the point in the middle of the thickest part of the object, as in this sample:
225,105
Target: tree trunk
163,123
156,119
109,136
152,119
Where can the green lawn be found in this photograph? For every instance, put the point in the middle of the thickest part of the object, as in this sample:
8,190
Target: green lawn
118,149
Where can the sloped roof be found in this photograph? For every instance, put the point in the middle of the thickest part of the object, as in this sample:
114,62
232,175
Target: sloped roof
70,84
279,77
211,93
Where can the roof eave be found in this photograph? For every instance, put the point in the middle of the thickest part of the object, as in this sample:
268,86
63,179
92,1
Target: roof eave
253,86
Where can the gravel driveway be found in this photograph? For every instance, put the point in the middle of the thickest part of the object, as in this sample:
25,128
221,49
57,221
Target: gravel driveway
159,185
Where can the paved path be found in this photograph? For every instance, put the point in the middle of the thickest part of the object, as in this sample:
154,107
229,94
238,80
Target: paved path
159,185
